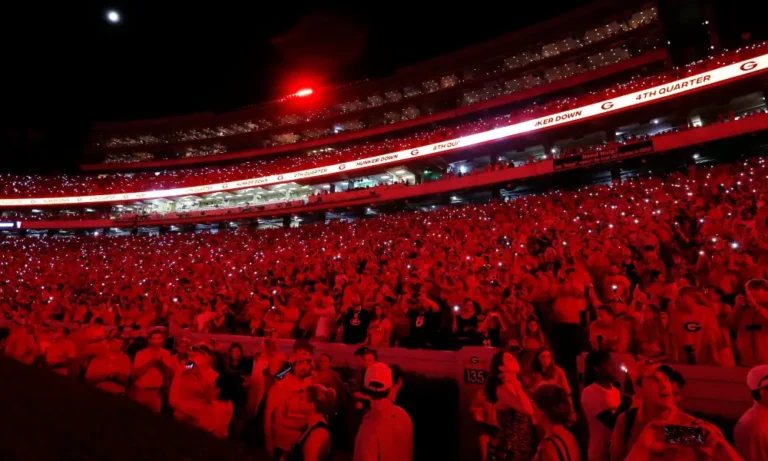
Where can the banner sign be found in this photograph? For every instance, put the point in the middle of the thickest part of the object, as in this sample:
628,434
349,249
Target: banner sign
598,109
603,155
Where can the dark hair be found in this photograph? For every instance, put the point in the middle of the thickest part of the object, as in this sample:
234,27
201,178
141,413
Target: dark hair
372,352
554,402
594,360
536,365
673,375
235,345
360,351
494,376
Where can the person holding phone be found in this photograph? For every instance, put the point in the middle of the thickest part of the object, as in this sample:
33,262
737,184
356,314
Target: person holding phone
150,367
658,429
194,388
285,415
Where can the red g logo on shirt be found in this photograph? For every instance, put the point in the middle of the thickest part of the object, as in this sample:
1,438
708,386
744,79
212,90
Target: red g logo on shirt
693,327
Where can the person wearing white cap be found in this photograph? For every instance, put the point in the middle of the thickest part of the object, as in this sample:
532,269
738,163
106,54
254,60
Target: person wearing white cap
750,436
386,433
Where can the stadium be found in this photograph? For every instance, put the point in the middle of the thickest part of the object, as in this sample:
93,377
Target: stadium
511,249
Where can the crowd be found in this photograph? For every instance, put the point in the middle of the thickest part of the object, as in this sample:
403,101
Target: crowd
669,269
26,186
395,95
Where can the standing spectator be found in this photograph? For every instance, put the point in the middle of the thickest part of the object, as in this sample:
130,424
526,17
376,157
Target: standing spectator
237,371
607,333
20,345
513,410
356,323
110,370
652,338
424,315
693,330
552,413
380,329
326,375
150,367
466,324
545,371
314,444
533,337
567,330
750,436
60,354
600,400
750,320
284,415
386,433
642,436
194,389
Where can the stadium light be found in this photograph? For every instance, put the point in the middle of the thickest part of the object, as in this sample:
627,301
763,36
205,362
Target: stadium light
304,92
113,16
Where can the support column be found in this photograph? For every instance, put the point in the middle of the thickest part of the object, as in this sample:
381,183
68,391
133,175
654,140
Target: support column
286,221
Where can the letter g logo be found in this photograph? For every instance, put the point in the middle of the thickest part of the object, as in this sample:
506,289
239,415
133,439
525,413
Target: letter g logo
747,66
607,105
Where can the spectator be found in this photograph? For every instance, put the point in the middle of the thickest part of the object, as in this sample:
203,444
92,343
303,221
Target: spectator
60,354
284,415
693,330
466,323
607,333
645,437
567,332
356,323
533,337
652,339
512,408
386,433
750,320
150,368
326,375
545,371
314,444
600,401
380,329
194,390
552,413
21,346
111,369
751,433
237,371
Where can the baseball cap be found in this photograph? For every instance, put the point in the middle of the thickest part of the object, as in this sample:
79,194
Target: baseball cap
378,377
757,377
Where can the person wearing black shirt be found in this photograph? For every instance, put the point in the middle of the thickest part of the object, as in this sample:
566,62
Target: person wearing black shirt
356,323
237,371
425,321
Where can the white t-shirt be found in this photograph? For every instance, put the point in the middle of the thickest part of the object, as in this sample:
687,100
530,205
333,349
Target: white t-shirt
595,399
750,436
386,434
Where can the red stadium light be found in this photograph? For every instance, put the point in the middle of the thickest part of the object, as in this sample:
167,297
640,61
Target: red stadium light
303,92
